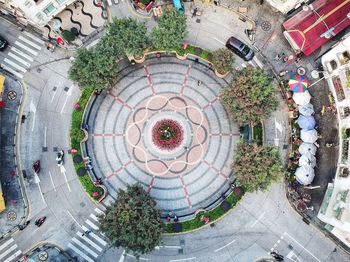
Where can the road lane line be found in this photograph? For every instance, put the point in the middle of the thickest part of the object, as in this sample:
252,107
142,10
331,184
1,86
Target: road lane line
184,259
41,193
29,42
69,213
91,243
94,217
54,188
24,47
33,122
91,224
301,246
14,49
8,251
216,250
6,243
45,138
104,243
219,41
76,250
86,248
12,257
13,64
260,217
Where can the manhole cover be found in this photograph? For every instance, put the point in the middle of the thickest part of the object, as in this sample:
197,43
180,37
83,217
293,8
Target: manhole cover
11,215
266,26
11,95
43,256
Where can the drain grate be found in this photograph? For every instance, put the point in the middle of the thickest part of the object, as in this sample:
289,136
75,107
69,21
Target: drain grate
181,251
54,88
266,26
66,88
44,148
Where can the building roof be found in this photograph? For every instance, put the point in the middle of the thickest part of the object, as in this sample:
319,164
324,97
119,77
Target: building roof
310,29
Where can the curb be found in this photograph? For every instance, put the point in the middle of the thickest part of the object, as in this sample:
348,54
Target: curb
40,244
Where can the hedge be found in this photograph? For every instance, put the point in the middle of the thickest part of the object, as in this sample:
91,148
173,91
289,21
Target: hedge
214,214
76,136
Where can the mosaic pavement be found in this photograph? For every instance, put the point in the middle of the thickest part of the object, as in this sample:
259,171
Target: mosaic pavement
182,179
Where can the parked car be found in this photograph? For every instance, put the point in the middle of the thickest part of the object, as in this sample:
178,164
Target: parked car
60,158
3,43
239,48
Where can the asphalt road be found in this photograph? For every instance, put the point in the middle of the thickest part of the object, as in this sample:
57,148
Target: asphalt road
261,222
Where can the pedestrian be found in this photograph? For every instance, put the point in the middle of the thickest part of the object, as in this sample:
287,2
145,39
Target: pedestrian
168,218
87,232
283,73
176,219
278,57
194,12
199,82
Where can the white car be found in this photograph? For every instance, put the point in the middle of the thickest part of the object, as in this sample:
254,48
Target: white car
60,158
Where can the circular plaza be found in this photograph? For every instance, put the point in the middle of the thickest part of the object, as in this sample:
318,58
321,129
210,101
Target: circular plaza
163,126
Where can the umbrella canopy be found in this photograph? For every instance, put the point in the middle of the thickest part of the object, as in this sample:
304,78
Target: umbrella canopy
307,159
306,122
302,98
308,136
298,84
306,110
307,148
305,174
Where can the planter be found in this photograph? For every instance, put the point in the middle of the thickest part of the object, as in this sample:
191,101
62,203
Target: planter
140,59
220,75
181,57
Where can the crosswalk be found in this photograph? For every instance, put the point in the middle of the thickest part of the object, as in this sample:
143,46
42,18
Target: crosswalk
88,247
21,54
9,251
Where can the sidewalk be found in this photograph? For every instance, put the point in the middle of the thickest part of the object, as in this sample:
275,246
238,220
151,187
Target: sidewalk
15,210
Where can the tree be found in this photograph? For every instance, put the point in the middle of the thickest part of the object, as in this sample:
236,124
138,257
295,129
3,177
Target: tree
170,31
133,222
256,167
223,60
250,97
125,36
93,68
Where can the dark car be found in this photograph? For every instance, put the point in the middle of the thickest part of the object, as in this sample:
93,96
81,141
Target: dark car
3,43
239,48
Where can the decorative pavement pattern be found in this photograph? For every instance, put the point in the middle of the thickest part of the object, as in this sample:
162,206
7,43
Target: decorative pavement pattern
182,178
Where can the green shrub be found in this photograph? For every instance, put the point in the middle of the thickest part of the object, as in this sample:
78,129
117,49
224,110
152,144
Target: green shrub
68,36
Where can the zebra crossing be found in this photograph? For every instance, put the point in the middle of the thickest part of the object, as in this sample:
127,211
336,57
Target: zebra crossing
88,246
9,251
21,54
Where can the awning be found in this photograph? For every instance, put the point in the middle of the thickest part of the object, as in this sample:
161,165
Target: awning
2,201
311,28
2,81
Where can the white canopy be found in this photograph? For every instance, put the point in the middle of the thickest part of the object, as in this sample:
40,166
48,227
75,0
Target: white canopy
308,136
306,110
305,174
302,98
307,159
307,147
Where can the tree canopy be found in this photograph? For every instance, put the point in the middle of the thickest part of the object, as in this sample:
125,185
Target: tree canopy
250,97
170,31
223,60
256,167
133,222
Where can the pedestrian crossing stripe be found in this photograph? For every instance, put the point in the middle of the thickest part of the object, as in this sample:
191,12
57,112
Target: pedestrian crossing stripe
24,47
76,250
91,224
91,243
8,242
38,40
92,234
22,61
26,40
14,49
94,217
79,243
8,251
100,212
10,62
12,71
13,256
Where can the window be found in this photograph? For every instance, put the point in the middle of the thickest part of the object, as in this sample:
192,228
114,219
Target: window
60,1
28,3
39,16
49,9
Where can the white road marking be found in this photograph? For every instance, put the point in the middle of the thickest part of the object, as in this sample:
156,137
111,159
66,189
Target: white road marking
109,2
76,250
24,47
8,242
14,49
122,257
243,65
13,256
292,256
260,217
91,243
94,217
91,224
34,38
69,213
104,243
54,94
22,61
219,41
184,259
41,193
63,171
69,93
33,109
285,233
257,61
8,251
170,247
45,138
87,249
54,188
97,210
13,64
216,250
12,71
29,42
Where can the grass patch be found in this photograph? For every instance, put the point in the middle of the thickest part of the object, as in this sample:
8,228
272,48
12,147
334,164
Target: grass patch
258,134
76,136
197,222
